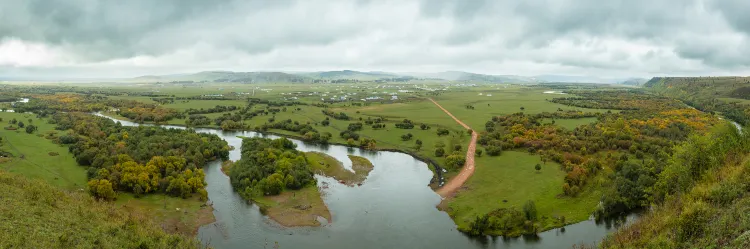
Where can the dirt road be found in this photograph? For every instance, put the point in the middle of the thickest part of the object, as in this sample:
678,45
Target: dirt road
449,188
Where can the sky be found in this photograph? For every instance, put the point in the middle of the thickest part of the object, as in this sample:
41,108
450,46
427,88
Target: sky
612,38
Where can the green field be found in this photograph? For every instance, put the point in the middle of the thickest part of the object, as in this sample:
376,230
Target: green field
37,162
510,180
502,102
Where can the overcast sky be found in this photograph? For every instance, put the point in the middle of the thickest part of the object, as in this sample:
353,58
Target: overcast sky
606,38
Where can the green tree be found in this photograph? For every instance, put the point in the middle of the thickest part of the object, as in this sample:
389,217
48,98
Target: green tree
439,152
21,124
529,210
30,129
455,160
538,167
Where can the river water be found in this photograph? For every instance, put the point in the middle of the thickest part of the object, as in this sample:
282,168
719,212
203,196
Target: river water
394,208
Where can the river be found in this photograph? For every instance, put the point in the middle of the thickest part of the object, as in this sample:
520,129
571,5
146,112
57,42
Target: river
394,208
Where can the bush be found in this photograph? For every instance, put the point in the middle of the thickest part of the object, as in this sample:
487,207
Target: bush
455,161
529,210
406,137
726,192
494,150
439,152
691,222
443,132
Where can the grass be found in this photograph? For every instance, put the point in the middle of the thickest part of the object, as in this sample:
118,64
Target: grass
198,104
175,215
509,181
326,165
502,102
295,208
35,214
37,161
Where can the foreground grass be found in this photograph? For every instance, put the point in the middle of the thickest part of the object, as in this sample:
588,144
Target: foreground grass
35,214
509,181
295,208
714,214
42,159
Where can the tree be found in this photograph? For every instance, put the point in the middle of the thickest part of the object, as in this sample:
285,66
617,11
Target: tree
478,152
457,147
20,124
529,210
455,161
522,108
101,189
30,129
439,152
494,150
538,167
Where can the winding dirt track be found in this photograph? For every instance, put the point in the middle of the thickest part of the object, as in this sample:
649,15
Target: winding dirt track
449,188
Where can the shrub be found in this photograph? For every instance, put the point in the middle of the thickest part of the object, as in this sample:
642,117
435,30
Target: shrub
439,152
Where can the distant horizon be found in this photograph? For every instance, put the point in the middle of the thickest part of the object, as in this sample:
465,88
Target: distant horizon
422,74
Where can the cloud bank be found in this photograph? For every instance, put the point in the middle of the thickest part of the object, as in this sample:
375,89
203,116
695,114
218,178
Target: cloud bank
108,38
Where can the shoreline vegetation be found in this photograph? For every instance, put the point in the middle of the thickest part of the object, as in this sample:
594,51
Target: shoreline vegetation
326,165
291,208
435,183
304,207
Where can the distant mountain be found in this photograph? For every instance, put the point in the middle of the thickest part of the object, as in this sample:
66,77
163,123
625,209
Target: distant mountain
349,75
352,76
226,76
466,76
574,79
634,81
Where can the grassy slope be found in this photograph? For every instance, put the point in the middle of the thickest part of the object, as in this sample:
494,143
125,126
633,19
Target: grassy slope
512,177
35,214
722,226
61,170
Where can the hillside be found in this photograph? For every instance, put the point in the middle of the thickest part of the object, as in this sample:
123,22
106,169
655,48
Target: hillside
728,96
35,214
475,77
226,76
634,81
350,75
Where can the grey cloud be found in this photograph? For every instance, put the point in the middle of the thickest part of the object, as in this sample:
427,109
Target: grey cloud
615,35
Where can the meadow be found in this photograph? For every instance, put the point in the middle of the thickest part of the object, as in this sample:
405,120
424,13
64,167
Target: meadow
510,180
42,159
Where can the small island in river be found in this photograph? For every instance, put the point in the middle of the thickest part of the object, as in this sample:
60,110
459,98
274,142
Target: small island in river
279,179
